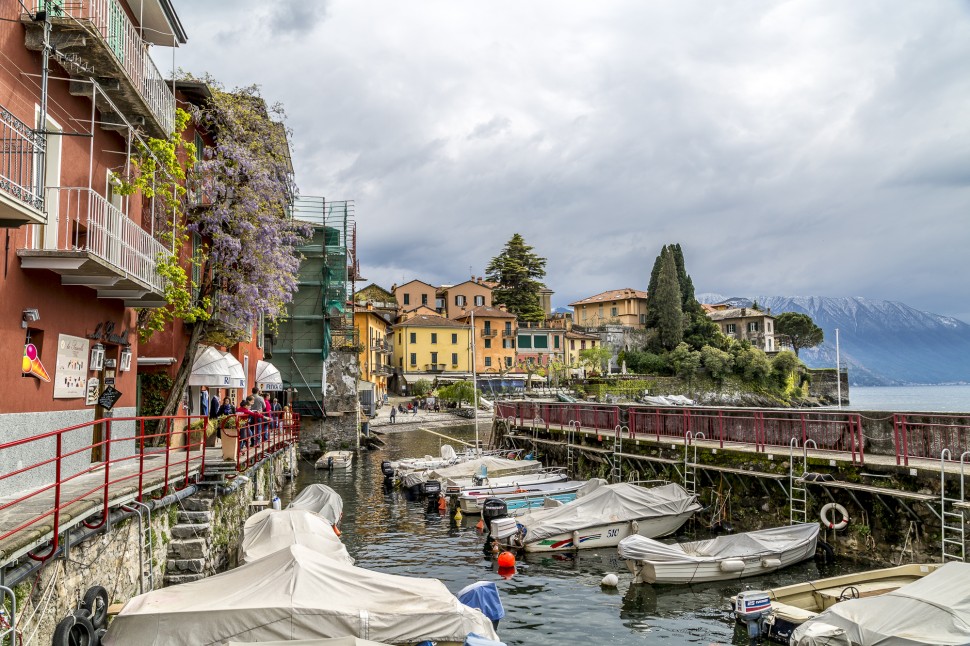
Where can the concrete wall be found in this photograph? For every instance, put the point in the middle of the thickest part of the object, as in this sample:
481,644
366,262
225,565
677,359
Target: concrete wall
339,429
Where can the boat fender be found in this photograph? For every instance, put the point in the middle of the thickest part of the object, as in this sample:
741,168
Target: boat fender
96,602
576,540
732,565
610,581
73,629
511,455
442,504
824,515
336,531
634,527
772,563
824,553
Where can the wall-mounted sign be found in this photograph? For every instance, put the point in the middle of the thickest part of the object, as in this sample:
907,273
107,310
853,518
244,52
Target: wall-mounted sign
92,392
71,368
31,365
109,397
97,357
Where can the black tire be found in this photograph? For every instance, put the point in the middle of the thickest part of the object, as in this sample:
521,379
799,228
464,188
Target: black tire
824,553
99,635
96,602
73,630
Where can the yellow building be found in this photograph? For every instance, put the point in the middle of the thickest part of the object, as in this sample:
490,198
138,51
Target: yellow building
495,330
428,346
373,326
576,342
626,307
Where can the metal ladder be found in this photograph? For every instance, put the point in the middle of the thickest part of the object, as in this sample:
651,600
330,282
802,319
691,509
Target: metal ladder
570,438
616,461
690,468
11,619
952,520
797,490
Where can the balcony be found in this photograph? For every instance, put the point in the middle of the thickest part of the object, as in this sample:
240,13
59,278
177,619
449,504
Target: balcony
489,333
104,250
22,153
381,348
95,38
509,334
435,367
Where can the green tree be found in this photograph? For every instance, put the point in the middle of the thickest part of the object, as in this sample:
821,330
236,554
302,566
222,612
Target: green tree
783,365
518,272
595,358
642,362
664,303
459,392
753,365
800,330
699,329
421,388
717,363
685,362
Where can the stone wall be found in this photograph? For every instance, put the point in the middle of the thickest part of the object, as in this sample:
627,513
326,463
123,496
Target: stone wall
825,387
338,430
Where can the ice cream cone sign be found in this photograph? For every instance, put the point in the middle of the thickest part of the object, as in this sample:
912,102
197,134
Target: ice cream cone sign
31,364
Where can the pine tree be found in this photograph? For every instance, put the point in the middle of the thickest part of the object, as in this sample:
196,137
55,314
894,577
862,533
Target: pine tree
518,272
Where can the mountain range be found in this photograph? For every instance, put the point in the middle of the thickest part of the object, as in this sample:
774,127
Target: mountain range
883,343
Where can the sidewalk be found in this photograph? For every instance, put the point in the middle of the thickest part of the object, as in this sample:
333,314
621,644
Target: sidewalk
408,421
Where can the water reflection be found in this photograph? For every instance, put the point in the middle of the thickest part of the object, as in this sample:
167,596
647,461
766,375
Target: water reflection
551,599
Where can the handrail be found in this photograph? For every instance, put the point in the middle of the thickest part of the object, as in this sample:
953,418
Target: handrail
21,159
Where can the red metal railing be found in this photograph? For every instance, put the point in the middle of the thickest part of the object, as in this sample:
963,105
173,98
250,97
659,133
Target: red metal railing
925,435
131,450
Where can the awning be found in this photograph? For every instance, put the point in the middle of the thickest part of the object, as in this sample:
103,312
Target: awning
268,377
210,369
237,376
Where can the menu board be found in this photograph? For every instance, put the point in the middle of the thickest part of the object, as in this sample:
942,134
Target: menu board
109,398
71,368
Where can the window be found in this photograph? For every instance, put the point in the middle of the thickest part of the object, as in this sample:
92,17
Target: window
525,341
488,343
572,344
454,338
414,337
399,338
643,319
488,362
555,341
582,345
454,358
540,341
460,300
584,313
434,359
434,337
424,299
508,343
730,328
508,362
414,358
439,304
407,299
479,301
753,326
601,311
400,361
614,311
196,265
767,326
508,327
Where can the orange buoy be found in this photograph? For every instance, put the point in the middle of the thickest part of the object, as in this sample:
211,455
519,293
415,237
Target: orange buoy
481,525
506,572
336,530
506,559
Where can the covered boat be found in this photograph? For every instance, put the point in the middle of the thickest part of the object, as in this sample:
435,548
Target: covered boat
520,497
717,559
488,466
604,517
337,641
297,593
321,499
270,531
932,610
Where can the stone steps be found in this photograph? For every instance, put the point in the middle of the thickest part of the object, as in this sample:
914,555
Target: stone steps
178,579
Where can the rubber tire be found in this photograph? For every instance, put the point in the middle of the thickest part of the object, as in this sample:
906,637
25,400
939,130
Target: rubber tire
96,602
99,635
74,630
824,552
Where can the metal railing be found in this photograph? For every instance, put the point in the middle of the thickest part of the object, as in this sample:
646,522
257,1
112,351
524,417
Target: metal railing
927,435
258,435
101,229
489,333
109,20
21,157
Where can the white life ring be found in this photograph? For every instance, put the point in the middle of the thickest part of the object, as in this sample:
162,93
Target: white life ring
824,515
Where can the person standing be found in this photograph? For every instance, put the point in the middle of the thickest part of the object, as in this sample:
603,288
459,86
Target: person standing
214,405
204,401
259,405
393,414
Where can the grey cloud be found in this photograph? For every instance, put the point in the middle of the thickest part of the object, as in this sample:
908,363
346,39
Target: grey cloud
298,17
495,126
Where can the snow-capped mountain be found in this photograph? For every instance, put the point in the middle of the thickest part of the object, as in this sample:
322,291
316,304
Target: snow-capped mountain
882,342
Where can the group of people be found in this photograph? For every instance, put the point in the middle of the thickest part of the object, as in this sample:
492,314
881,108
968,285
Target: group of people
412,408
261,413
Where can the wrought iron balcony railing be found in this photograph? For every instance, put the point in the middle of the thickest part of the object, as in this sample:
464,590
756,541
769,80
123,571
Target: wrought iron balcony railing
21,155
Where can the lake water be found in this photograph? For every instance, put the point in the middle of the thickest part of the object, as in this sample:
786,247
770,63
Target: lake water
549,600
950,399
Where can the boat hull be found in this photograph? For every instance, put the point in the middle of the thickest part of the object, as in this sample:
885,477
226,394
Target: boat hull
335,460
471,502
609,535
713,570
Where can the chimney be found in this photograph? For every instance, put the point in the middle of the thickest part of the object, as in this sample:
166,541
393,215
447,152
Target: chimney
503,307
393,288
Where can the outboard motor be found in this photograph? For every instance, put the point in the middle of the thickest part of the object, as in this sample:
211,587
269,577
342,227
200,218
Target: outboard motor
750,608
492,509
431,490
388,472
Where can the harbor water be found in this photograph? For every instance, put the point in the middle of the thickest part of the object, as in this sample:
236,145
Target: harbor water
549,600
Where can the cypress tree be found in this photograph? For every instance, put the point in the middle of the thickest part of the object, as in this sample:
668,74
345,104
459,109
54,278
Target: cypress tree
666,303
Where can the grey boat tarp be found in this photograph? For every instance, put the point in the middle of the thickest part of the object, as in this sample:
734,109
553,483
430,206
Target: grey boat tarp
339,641
494,466
321,499
296,593
270,530
607,504
931,610
765,542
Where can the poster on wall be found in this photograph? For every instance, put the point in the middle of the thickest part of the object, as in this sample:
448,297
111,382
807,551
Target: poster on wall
92,392
71,368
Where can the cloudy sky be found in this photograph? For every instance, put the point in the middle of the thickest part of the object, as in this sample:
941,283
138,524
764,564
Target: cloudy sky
793,148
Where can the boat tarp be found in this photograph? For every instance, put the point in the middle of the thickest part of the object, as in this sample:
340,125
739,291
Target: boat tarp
408,480
296,594
591,485
931,610
321,499
339,641
270,531
448,452
763,542
484,596
494,466
608,504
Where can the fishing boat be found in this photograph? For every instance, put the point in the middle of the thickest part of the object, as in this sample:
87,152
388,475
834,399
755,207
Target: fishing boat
520,497
269,531
933,610
793,605
335,460
724,557
602,518
321,499
300,594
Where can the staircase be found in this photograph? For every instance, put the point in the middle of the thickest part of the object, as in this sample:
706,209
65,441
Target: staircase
191,546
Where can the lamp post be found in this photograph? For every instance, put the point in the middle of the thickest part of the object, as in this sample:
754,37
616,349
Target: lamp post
838,369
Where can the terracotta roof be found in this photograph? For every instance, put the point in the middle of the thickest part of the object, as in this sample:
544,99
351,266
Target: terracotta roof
429,320
484,310
738,313
612,295
413,280
580,335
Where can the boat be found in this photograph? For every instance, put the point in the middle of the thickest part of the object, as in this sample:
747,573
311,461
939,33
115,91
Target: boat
269,531
934,609
520,497
510,483
472,473
602,518
793,605
448,457
724,557
337,641
296,593
335,460
321,499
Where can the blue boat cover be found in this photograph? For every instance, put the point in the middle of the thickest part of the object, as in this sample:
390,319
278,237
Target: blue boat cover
475,640
484,596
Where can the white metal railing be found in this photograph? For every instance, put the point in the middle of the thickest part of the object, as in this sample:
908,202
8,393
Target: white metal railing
109,19
21,155
101,229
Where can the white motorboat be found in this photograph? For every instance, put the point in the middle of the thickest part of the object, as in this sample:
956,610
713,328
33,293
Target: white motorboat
300,594
270,530
321,499
603,518
514,482
447,458
520,497
718,559
335,460
473,473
